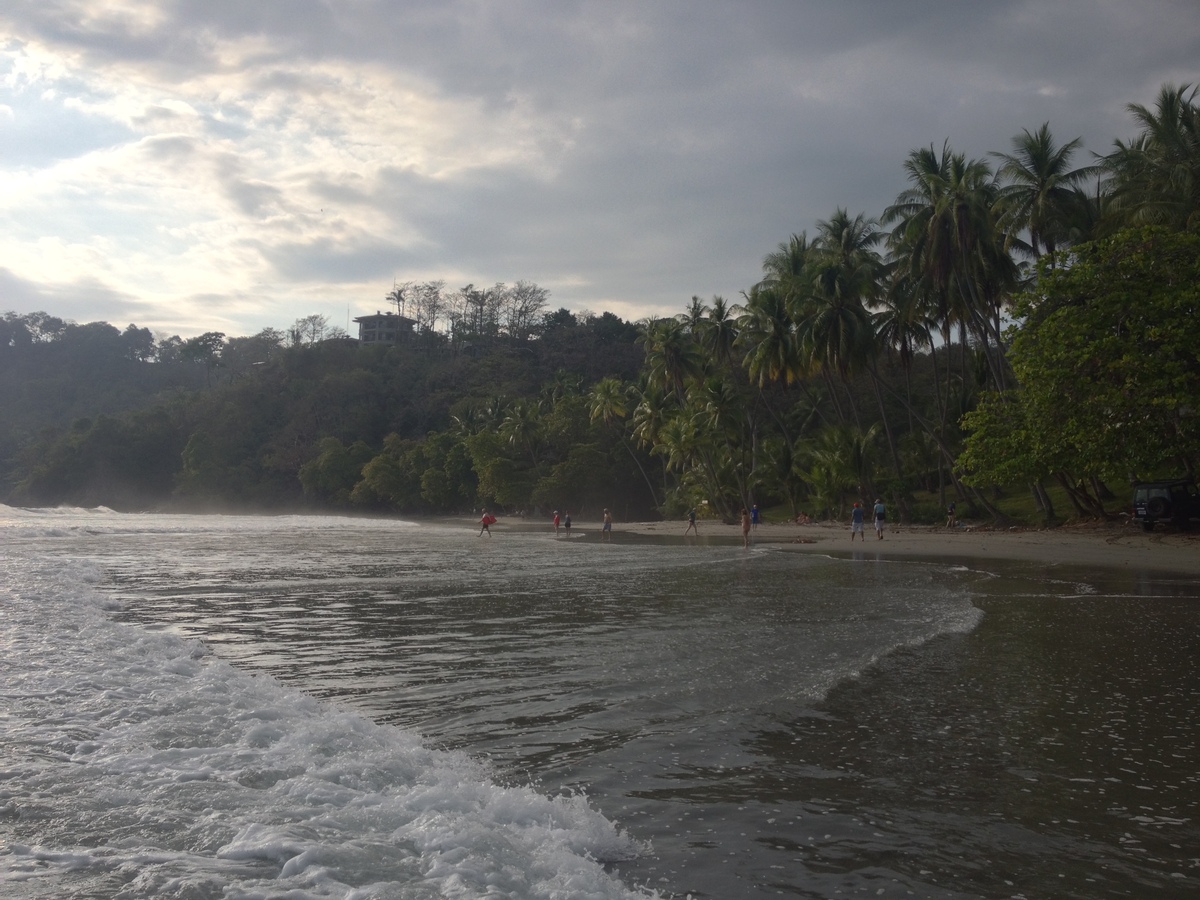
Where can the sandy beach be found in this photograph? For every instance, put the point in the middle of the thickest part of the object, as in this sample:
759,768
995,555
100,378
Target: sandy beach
1113,546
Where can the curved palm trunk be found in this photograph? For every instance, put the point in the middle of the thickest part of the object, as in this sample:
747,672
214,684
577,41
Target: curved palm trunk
533,456
637,462
948,455
831,388
902,500
779,423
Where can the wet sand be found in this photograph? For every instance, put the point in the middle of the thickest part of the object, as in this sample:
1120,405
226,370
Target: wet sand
1108,546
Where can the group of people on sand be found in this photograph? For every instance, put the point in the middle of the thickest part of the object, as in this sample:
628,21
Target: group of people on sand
564,522
751,519
561,523
858,514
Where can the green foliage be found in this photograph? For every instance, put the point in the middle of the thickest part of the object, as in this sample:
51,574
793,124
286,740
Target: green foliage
334,473
827,383
583,480
118,462
391,478
1108,366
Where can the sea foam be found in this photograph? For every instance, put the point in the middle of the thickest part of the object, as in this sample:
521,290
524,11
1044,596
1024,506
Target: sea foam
136,764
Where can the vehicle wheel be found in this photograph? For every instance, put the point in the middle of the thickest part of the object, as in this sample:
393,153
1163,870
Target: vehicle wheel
1147,524
1157,507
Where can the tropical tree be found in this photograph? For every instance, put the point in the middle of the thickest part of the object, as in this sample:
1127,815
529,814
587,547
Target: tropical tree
1043,193
718,332
720,413
767,332
206,350
834,327
1106,357
787,267
947,239
610,404
673,358
522,428
1155,178
694,316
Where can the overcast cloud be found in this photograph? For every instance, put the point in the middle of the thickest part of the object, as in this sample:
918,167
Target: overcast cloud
229,165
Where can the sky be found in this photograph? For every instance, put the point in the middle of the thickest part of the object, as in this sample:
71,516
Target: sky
233,165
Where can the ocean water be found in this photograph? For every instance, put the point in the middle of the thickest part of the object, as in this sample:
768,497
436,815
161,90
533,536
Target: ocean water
271,707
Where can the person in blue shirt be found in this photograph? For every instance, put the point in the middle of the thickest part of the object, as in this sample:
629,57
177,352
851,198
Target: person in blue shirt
856,521
880,518
754,516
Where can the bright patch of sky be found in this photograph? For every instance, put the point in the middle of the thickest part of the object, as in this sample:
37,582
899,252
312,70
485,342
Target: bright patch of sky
196,165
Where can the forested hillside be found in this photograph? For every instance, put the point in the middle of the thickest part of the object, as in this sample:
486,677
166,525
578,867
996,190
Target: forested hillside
266,420
1029,328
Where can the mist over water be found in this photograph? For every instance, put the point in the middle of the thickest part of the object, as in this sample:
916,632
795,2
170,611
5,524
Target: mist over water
703,719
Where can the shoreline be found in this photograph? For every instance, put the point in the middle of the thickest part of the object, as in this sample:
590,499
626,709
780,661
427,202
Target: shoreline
1104,545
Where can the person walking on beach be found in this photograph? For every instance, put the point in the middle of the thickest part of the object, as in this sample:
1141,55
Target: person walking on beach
606,533
951,515
557,522
567,524
856,522
486,523
691,523
745,528
880,517
755,518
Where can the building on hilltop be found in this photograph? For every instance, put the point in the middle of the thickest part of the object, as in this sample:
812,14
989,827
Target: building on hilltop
384,328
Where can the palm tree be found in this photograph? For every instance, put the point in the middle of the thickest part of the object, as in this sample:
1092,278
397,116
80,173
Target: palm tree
694,316
1042,189
650,416
610,404
672,355
834,333
786,268
836,328
522,426
722,415
948,240
719,332
844,258
767,330
833,323
1155,178
676,443
562,384
903,325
